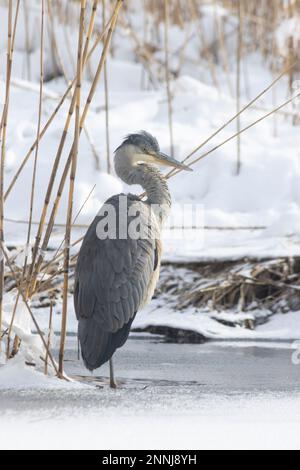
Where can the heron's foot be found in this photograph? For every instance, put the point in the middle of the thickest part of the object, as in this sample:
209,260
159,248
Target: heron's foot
113,384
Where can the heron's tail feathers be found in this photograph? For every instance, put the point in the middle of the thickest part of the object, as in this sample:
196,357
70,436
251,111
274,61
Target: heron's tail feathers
98,345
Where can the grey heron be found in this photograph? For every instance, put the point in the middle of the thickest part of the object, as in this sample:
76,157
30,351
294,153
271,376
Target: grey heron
116,275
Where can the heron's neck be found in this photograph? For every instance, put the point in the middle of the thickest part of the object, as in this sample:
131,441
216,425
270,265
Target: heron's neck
152,181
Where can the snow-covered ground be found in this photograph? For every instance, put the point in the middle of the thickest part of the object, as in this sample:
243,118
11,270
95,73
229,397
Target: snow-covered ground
224,423
170,397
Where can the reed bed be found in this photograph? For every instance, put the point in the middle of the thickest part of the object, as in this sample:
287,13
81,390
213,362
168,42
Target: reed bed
241,286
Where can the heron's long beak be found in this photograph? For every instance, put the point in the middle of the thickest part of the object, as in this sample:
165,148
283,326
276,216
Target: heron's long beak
166,160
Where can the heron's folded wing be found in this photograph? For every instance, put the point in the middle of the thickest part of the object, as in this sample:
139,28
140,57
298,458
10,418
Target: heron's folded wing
113,276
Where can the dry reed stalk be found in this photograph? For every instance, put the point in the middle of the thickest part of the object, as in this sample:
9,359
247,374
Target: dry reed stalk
74,155
33,184
55,49
59,152
12,51
107,138
45,268
167,73
227,123
229,139
50,186
68,163
47,285
16,341
33,146
59,254
62,100
284,113
102,61
64,15
238,85
27,40
61,66
93,148
9,331
20,291
3,152
273,66
49,338
90,32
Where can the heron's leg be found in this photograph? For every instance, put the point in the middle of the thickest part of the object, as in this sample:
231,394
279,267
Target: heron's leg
112,382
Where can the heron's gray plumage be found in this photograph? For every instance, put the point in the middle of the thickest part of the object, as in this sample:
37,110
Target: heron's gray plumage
115,277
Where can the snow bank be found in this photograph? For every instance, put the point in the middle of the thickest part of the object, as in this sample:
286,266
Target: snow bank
16,375
279,327
32,346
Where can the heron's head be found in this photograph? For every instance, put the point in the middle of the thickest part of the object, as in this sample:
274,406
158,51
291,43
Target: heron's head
142,147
